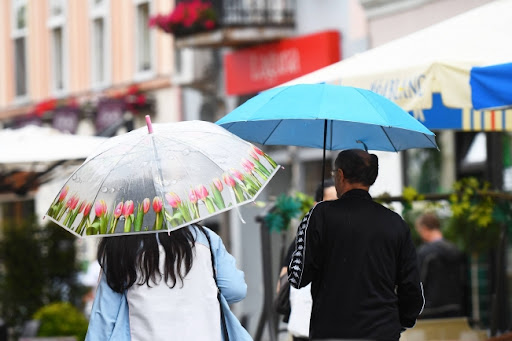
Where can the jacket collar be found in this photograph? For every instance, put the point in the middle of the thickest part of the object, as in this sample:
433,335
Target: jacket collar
357,193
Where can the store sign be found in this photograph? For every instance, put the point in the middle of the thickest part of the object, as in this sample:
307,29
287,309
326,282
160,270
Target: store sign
65,119
255,69
110,112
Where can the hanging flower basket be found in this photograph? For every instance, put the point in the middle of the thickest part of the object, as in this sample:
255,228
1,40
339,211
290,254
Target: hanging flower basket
188,17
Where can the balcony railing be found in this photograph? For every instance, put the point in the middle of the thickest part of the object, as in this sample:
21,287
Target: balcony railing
244,14
233,13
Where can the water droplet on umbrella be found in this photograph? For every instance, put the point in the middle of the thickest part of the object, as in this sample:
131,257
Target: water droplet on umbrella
166,182
74,176
112,190
104,189
174,181
186,152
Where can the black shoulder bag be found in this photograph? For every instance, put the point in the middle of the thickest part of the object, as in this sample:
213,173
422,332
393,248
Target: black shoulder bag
222,317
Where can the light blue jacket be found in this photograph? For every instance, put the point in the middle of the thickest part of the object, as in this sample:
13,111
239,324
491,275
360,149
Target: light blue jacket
110,319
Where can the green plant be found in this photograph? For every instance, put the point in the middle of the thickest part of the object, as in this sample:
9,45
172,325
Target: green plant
22,274
472,225
285,209
61,319
38,266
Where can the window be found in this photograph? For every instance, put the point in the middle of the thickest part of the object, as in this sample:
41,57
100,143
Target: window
143,40
19,39
99,46
56,20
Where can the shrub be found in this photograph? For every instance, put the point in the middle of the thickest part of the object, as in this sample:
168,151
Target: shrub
61,319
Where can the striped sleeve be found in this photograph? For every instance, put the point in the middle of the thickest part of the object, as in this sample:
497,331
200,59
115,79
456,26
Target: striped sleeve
304,260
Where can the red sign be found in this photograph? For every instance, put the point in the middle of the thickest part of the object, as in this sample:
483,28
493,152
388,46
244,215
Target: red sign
263,67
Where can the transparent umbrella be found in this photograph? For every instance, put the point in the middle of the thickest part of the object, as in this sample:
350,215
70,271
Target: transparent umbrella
164,177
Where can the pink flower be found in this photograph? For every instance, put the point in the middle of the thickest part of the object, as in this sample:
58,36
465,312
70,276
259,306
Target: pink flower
145,205
254,155
218,184
201,192
118,210
63,193
209,24
81,207
128,208
72,202
237,174
228,180
157,204
100,208
87,209
192,196
173,199
258,151
247,165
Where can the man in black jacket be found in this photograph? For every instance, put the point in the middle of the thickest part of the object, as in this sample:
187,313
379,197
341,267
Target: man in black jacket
442,270
360,259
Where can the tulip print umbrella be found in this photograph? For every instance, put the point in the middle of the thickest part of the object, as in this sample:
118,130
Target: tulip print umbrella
162,177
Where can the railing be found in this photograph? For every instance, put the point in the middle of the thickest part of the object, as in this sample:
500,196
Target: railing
252,13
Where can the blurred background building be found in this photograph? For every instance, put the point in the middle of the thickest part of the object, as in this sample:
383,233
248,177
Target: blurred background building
96,67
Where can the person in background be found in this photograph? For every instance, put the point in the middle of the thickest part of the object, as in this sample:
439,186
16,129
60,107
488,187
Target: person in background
300,300
163,286
442,270
359,258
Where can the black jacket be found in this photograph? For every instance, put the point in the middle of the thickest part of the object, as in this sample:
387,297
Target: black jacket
362,263
443,274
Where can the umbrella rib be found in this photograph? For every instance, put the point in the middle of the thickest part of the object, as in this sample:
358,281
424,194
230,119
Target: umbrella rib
110,171
429,140
200,150
381,127
272,132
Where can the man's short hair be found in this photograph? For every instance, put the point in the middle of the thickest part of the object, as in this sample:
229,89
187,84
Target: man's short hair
358,166
429,220
319,193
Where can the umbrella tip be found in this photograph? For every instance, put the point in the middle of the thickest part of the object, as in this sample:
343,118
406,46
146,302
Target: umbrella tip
150,126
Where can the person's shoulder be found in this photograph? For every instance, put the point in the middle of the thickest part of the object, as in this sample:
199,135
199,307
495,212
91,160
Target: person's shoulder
202,233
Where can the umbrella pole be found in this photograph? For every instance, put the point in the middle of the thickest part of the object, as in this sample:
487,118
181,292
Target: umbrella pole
323,160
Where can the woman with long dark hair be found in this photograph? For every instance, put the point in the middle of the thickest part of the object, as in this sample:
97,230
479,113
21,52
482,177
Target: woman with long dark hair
164,287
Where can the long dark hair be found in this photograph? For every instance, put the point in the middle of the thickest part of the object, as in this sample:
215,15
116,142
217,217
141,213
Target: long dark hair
122,256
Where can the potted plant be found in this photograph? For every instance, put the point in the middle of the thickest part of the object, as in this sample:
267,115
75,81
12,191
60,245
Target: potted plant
187,17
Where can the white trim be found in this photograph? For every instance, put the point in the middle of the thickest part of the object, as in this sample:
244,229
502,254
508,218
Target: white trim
17,33
100,11
53,23
140,75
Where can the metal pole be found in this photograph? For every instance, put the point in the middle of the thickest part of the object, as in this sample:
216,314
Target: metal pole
267,313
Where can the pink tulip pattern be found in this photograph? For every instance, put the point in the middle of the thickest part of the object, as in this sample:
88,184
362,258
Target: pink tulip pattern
243,182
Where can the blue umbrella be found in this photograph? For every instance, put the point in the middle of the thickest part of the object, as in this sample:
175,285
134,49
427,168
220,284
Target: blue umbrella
491,86
331,117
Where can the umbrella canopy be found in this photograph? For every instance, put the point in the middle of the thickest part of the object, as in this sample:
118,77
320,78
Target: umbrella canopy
436,59
175,175
491,86
331,117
